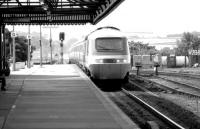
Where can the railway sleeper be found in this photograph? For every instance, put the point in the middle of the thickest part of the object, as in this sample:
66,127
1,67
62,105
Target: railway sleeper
151,125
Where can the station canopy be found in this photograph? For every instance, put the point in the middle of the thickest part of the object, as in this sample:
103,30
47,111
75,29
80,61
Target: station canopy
40,12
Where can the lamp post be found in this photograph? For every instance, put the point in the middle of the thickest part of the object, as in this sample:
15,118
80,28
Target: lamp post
29,47
13,35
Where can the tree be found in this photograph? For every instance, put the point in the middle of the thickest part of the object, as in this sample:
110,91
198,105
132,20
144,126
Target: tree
188,41
8,41
166,51
138,48
35,42
21,48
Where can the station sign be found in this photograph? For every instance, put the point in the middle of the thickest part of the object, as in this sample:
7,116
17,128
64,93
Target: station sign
194,52
13,34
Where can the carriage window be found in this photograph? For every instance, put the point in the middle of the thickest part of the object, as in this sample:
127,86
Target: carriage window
106,44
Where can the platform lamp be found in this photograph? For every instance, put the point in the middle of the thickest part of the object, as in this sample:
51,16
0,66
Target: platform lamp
62,38
13,35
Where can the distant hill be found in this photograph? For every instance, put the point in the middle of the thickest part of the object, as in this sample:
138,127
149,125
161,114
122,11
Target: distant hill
174,35
180,35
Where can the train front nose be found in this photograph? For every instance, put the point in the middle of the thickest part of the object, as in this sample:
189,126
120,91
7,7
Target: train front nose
109,71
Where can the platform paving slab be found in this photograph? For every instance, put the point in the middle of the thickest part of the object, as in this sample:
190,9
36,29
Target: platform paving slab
61,97
1,121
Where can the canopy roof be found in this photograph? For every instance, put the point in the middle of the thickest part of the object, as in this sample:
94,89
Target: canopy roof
55,11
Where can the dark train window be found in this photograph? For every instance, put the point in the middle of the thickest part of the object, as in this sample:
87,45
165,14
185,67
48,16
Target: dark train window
110,44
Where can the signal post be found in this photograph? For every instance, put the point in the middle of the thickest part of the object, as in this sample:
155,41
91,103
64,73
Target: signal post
62,38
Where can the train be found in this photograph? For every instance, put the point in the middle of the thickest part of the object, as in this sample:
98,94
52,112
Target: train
103,54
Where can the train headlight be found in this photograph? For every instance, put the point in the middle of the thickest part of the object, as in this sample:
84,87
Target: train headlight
125,61
118,61
121,61
99,61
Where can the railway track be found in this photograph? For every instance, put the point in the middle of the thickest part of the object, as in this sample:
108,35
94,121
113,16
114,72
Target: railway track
173,110
172,85
140,114
164,118
144,115
188,75
194,90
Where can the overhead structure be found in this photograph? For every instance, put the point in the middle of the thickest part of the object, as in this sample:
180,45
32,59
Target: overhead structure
55,11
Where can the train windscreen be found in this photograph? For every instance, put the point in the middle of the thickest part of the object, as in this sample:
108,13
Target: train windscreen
110,44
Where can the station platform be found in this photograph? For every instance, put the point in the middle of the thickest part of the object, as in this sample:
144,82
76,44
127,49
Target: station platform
57,97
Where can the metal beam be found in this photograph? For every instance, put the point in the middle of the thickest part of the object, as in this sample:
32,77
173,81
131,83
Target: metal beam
109,7
1,50
19,3
2,2
16,11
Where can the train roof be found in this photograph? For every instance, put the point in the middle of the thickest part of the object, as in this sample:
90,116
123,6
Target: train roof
108,27
107,31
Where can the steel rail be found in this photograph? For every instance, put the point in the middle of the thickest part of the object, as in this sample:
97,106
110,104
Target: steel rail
181,83
166,119
173,89
190,75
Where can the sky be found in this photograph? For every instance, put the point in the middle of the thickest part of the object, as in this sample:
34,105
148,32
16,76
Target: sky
160,17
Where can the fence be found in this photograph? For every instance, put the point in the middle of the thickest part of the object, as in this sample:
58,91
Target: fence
148,61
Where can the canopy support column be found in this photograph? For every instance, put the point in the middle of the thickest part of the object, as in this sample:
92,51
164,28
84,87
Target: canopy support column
2,57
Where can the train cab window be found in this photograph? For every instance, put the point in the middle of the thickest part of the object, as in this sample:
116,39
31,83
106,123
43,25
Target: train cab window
110,44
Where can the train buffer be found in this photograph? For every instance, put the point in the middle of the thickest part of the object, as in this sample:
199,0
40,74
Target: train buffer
138,65
156,65
62,96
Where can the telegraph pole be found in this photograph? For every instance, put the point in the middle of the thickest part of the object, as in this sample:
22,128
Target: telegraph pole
50,41
40,47
29,44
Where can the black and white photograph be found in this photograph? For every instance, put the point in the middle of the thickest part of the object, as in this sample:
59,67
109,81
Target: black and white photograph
99,64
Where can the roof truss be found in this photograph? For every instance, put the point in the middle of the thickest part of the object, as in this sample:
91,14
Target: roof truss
55,11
